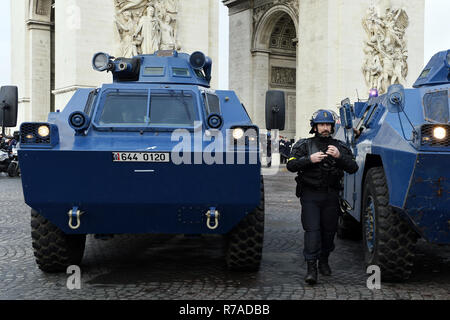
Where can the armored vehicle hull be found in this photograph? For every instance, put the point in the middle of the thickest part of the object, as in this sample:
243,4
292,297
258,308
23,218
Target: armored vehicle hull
402,189
156,151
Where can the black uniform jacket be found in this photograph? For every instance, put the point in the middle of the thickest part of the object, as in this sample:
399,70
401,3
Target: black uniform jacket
323,175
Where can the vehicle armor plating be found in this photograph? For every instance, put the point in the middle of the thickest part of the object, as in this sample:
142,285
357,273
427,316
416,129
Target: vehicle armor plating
402,189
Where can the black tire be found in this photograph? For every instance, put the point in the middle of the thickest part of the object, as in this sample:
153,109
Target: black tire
12,170
54,250
245,241
348,228
394,240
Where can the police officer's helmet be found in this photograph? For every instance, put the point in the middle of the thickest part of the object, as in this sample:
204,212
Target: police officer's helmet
323,116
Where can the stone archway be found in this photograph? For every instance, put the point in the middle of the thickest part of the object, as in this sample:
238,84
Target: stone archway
37,78
274,55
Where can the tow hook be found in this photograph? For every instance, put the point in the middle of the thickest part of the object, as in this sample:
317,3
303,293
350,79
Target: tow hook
75,213
212,214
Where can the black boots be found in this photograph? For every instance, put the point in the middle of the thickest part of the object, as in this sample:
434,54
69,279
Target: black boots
311,275
324,267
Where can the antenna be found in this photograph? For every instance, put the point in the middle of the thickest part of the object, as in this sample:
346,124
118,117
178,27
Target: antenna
357,95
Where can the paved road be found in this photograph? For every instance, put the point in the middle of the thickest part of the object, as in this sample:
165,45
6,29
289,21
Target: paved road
176,267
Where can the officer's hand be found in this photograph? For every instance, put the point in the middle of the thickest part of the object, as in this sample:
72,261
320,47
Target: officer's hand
317,157
333,151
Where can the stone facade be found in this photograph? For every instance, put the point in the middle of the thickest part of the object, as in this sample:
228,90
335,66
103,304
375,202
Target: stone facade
53,43
326,50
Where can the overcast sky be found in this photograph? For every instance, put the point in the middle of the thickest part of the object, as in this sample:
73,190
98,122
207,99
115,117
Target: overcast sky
437,36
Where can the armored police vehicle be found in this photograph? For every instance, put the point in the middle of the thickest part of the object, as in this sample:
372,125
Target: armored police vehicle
402,189
156,151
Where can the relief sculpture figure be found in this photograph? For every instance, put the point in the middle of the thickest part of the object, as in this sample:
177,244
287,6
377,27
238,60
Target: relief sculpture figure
125,29
131,4
146,26
167,34
385,61
150,32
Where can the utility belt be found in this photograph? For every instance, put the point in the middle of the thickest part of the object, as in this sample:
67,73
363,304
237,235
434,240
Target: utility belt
306,187
317,189
320,189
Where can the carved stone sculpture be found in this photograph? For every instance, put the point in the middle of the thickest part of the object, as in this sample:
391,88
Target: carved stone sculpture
145,26
385,49
284,77
125,27
149,32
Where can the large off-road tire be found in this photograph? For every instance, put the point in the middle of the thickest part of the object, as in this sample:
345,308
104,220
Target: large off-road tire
54,250
245,241
388,239
348,228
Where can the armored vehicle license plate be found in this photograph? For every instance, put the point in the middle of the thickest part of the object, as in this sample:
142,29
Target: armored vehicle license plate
141,157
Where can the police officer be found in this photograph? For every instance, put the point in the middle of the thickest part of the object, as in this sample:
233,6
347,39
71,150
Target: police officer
320,162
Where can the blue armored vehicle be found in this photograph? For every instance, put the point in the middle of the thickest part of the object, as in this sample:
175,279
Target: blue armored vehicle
402,190
156,151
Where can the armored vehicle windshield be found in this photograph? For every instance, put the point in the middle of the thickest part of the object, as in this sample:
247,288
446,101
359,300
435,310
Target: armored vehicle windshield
143,108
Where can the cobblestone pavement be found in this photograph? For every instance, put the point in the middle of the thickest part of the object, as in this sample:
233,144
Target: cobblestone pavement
178,267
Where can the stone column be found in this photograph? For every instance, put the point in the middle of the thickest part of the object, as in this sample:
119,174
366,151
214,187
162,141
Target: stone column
312,62
240,58
31,57
83,27
40,68
20,57
260,86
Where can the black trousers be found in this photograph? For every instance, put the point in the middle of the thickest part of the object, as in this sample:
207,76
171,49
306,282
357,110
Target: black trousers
320,212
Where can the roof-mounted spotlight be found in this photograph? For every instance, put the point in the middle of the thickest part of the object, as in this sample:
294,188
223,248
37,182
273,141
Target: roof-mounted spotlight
199,61
102,61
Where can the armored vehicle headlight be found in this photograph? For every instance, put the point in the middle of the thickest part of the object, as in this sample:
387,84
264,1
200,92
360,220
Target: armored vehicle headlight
39,134
238,133
44,131
439,133
100,61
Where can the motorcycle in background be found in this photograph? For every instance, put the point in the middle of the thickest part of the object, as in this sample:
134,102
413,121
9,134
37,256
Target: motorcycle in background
9,161
13,167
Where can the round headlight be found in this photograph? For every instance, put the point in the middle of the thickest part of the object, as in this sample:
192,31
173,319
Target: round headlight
100,61
439,133
238,133
44,131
